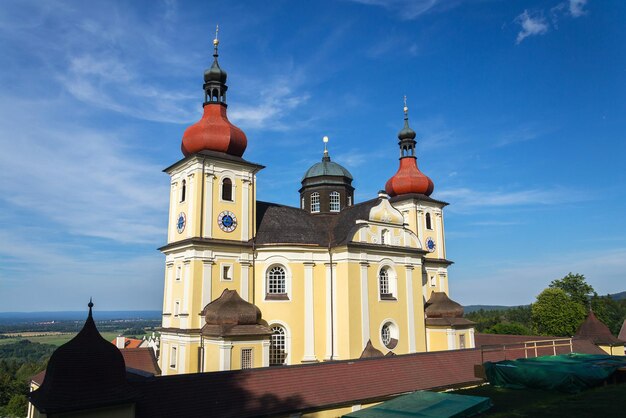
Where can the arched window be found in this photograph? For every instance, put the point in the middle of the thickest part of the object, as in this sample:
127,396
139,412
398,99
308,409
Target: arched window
278,346
383,283
315,202
335,206
276,281
183,191
429,224
227,189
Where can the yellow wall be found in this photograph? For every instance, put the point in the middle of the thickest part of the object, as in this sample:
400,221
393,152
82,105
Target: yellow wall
613,351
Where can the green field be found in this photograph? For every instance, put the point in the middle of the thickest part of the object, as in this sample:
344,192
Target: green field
604,401
55,339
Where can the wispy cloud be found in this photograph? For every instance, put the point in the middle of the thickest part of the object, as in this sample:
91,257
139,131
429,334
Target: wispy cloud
85,180
411,9
532,24
466,198
524,133
520,282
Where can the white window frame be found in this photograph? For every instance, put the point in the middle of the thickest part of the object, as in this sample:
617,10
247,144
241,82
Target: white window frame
394,332
392,282
428,219
233,186
335,201
284,279
183,191
250,358
287,341
173,357
231,269
315,202
349,200
462,341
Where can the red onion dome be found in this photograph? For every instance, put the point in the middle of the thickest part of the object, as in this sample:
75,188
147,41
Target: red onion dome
214,132
409,179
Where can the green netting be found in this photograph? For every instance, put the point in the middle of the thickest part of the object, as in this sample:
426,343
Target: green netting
566,373
427,405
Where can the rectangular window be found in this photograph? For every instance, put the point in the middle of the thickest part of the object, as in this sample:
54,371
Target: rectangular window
315,202
227,273
349,200
176,308
462,341
335,206
246,358
179,273
173,358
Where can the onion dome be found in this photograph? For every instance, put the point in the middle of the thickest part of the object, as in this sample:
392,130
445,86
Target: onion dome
593,329
441,306
408,178
85,372
231,309
214,132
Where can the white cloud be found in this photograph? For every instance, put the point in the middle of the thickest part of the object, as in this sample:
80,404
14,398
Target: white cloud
520,282
576,7
411,9
85,180
532,25
466,198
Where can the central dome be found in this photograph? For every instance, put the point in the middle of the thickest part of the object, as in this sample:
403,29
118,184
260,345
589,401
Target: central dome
326,168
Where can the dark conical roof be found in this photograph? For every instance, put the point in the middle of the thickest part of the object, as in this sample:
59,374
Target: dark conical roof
593,329
370,352
86,372
326,167
441,306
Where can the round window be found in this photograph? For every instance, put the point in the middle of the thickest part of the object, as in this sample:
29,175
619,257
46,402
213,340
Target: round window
389,335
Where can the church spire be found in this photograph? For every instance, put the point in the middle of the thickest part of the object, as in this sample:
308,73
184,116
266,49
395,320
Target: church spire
407,136
215,78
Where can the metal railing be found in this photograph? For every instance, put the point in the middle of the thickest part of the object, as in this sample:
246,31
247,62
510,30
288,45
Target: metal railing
533,346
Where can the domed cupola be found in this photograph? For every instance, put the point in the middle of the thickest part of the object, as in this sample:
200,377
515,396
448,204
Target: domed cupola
408,179
441,306
326,186
214,132
230,315
85,371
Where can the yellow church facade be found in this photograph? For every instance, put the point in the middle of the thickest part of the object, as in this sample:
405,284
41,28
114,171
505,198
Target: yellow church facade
256,284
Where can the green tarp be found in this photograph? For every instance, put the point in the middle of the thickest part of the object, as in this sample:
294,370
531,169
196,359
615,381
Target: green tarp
566,373
426,405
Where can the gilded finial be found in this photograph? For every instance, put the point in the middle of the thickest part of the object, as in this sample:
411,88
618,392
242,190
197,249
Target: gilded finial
406,109
325,139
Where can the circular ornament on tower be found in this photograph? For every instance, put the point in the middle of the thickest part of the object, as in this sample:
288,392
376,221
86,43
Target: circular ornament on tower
430,244
227,221
181,222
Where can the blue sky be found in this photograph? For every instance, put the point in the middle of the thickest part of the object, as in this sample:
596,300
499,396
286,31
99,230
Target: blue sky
518,105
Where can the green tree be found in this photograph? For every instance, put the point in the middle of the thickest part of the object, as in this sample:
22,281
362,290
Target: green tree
556,314
510,328
17,406
576,287
609,311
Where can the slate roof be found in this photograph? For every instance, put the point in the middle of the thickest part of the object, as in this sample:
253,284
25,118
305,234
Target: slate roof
279,224
593,329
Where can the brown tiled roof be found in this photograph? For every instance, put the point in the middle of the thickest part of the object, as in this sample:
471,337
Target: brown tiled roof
129,342
370,352
622,332
593,329
439,305
141,359
38,378
516,343
285,390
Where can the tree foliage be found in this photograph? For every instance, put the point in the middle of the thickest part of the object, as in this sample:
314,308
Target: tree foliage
576,287
556,313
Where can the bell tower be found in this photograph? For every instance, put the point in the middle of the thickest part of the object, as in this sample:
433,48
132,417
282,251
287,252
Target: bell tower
211,224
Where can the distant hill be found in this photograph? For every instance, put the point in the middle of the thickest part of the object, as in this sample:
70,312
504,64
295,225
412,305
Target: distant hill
76,316
474,308
618,296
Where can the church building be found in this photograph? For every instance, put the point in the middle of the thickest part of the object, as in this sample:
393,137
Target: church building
254,284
